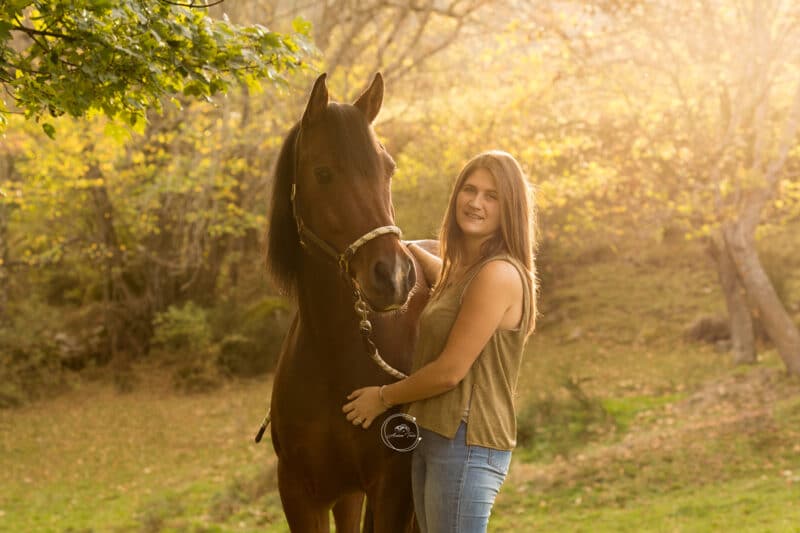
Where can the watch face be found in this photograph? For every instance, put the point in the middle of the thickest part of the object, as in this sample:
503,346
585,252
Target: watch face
400,432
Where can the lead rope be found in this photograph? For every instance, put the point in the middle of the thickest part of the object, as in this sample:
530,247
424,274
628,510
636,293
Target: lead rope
264,424
343,262
365,327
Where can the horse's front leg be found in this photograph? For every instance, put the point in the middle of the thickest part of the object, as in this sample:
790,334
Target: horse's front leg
303,513
347,513
390,498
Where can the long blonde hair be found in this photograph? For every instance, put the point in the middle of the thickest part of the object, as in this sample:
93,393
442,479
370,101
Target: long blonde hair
517,218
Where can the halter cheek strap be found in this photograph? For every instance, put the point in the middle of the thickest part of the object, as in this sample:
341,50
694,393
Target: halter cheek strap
343,259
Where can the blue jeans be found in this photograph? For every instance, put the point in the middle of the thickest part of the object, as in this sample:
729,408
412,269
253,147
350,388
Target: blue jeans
454,484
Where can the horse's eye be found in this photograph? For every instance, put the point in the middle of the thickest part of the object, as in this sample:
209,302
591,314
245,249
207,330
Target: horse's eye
323,175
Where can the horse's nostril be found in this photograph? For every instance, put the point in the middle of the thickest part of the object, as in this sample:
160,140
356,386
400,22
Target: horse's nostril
383,276
411,277
395,277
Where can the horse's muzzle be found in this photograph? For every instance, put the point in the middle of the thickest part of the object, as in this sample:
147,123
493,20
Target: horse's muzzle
390,278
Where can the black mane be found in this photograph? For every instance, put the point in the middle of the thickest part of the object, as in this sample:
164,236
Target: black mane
283,243
352,140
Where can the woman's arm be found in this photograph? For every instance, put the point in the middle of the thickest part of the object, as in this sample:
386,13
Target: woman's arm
493,293
426,254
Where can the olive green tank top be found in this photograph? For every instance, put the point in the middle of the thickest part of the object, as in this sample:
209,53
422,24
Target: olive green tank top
490,385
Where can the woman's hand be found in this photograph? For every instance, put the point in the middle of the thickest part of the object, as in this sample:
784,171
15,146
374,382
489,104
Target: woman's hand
364,407
425,253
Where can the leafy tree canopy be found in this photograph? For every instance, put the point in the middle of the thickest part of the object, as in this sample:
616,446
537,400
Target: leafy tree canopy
122,56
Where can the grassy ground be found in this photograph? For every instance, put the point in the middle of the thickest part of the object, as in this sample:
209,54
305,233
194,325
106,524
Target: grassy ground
97,460
630,428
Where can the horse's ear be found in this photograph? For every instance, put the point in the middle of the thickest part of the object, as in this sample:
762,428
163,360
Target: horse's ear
370,102
317,102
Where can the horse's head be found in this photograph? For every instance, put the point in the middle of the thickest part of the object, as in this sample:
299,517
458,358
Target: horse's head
342,177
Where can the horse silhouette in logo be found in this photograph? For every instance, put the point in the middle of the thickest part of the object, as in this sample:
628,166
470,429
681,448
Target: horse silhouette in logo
402,431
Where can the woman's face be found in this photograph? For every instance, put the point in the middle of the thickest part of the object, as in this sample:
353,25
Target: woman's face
478,205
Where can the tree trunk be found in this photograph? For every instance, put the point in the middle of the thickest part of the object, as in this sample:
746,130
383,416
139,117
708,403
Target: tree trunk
782,331
127,318
107,235
739,317
4,277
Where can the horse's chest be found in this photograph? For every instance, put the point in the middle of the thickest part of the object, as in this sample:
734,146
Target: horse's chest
331,454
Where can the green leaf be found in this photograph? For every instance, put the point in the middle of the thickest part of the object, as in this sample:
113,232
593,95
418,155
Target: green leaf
49,130
117,132
301,26
139,49
5,30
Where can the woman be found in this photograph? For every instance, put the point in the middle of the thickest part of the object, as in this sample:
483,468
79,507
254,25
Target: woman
467,360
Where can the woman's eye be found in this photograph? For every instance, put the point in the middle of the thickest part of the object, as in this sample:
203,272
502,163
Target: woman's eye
323,175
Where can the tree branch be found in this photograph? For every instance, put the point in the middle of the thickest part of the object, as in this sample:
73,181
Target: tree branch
789,135
193,5
33,31
449,11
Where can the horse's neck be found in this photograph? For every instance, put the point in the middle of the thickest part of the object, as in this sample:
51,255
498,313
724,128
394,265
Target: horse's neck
324,299
328,321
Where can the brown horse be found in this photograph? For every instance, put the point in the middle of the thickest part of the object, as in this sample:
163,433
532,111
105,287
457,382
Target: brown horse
331,240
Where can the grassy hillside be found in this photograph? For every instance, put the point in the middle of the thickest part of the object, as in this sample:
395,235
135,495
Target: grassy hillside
626,426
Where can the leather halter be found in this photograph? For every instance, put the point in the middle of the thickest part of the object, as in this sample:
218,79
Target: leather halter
342,260
306,236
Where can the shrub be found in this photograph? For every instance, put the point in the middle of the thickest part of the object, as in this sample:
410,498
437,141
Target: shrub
31,366
708,328
184,328
198,375
251,338
239,355
185,333
555,425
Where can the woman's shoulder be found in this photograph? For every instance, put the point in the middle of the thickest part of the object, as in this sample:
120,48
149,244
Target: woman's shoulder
498,273
503,264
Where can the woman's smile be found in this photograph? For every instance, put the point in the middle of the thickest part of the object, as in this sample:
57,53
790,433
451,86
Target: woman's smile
478,214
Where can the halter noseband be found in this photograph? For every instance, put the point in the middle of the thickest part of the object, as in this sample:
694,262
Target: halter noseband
343,259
